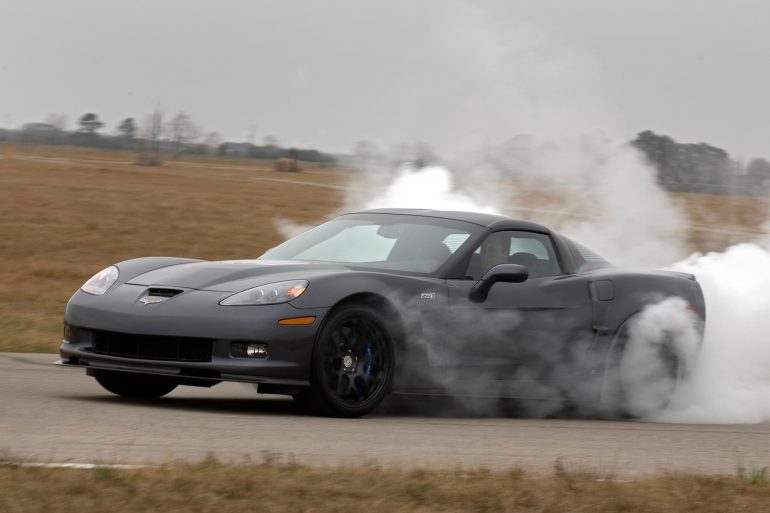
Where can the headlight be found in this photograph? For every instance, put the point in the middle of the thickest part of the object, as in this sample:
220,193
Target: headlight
101,281
270,294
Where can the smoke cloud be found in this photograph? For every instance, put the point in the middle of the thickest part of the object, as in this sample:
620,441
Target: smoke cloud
661,352
427,187
724,380
730,382
524,127
504,105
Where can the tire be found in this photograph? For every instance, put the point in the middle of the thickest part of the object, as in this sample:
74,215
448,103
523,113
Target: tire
353,364
649,372
134,386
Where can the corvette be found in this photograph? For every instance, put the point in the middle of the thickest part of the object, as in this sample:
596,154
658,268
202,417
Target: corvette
381,301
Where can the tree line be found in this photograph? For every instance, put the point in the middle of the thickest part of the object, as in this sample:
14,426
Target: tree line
681,167
702,167
176,136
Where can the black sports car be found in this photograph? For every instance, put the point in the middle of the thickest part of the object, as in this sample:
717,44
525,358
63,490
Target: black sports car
373,302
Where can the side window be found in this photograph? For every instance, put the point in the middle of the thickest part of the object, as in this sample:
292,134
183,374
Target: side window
532,250
586,258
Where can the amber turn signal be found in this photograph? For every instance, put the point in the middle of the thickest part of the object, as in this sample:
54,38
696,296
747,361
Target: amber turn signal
297,321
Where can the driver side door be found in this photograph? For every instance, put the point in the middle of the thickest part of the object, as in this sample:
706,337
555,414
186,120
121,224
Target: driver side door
516,342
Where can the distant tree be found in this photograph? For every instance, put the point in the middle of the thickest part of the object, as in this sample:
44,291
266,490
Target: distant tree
41,133
90,123
271,141
251,134
182,131
127,128
758,173
711,166
58,121
687,167
211,141
152,132
659,149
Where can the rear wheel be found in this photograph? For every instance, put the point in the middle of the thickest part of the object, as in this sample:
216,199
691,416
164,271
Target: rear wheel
353,363
134,386
649,373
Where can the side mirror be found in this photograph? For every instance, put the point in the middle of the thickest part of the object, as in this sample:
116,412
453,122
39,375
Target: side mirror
508,273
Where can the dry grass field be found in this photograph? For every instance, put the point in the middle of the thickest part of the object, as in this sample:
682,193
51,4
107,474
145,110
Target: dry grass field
67,216
269,487
66,213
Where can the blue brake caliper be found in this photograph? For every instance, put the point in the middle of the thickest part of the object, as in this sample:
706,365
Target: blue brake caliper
368,353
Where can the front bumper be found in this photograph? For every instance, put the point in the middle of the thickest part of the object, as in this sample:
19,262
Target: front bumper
194,318
184,374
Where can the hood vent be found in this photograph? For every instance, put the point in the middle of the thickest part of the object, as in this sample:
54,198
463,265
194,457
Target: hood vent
162,292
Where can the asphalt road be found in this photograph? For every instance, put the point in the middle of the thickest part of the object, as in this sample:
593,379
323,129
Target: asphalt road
54,414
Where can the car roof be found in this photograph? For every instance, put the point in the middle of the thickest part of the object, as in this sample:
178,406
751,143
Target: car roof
492,221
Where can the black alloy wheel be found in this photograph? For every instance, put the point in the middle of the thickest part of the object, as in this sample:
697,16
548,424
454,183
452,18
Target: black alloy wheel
353,363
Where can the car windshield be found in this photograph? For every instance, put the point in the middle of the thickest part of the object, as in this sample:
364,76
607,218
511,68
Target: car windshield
380,241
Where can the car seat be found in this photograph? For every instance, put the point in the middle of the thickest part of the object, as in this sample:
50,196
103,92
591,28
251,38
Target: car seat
528,260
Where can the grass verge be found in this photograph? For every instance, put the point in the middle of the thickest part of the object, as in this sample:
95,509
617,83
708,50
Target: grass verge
278,487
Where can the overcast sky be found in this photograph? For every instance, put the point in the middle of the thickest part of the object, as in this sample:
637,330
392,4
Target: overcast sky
449,73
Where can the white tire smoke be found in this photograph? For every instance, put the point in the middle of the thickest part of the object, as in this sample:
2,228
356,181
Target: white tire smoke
663,342
730,382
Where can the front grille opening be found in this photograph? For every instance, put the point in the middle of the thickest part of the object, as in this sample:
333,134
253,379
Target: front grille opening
163,292
153,347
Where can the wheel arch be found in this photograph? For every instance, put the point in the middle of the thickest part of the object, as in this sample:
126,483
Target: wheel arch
618,342
315,397
405,328
375,301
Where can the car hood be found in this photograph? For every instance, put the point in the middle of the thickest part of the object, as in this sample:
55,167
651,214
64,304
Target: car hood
232,275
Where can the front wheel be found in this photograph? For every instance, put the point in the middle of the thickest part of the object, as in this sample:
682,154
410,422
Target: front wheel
353,363
134,386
